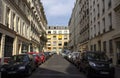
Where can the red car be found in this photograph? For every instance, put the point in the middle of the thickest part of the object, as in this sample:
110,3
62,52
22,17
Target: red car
42,56
38,60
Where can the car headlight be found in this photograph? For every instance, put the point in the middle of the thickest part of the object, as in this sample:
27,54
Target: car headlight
22,67
92,64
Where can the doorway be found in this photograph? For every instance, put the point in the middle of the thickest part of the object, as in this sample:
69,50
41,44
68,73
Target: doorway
8,49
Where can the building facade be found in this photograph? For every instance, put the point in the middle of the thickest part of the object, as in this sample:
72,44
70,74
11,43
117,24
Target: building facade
79,26
22,27
98,27
116,36
58,37
104,27
74,28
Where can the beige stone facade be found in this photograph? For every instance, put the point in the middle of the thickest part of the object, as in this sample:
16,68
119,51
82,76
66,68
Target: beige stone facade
79,26
104,27
58,37
98,24
22,27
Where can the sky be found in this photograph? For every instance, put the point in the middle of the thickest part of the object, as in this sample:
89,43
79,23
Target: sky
58,12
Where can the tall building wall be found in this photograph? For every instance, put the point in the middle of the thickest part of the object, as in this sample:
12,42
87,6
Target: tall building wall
22,26
58,37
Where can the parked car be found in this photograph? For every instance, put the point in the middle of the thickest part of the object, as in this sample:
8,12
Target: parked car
69,57
22,64
96,64
47,55
42,57
75,57
37,58
6,59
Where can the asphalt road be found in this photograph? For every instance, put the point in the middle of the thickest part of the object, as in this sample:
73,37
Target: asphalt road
57,67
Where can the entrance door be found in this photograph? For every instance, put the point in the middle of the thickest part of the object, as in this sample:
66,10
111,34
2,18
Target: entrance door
118,52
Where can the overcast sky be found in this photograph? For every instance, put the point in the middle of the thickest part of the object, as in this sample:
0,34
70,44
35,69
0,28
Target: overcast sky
58,12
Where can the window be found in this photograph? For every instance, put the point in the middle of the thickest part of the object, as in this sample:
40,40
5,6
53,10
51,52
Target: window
103,10
65,32
49,32
19,27
49,48
110,21
94,47
65,37
54,32
60,37
109,4
54,27
60,32
54,43
54,47
65,43
60,43
49,27
54,37
98,28
14,20
98,11
49,44
91,47
99,45
49,38
93,2
94,30
110,47
104,46
7,16
103,25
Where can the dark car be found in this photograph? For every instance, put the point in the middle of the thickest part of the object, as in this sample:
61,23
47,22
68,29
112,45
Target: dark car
96,64
22,64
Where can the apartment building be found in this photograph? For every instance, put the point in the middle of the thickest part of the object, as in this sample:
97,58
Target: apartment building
74,28
58,37
79,26
22,27
104,28
116,37
96,24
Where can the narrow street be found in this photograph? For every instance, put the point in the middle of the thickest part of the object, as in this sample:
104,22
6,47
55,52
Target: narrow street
57,67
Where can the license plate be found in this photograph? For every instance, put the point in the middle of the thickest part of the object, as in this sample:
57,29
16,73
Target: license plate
104,72
12,72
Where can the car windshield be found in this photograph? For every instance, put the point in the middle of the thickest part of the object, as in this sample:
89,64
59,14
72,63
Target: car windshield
19,58
97,56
